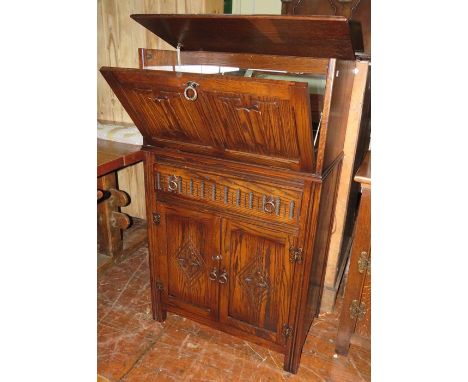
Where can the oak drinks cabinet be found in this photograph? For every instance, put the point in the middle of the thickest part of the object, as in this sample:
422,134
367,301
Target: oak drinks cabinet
243,131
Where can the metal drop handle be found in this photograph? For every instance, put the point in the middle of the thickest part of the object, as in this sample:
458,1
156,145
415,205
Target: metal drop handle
173,184
190,92
223,277
270,206
213,276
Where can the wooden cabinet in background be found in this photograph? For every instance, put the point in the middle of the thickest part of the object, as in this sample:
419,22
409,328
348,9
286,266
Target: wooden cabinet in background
358,10
243,152
355,318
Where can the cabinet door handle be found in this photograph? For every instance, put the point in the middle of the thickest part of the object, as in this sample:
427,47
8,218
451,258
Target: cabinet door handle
223,277
190,92
213,276
269,205
173,183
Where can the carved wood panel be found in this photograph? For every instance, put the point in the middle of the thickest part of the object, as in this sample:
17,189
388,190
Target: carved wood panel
263,125
257,296
267,201
249,119
170,116
188,240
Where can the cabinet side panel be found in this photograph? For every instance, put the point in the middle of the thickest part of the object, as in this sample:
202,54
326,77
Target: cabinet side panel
321,245
335,120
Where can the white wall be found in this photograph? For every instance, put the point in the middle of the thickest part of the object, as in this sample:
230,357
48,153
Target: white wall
249,7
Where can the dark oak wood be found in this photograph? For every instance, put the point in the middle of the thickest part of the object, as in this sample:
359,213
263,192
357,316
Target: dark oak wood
248,119
256,297
239,199
306,36
187,242
109,235
358,10
357,328
112,156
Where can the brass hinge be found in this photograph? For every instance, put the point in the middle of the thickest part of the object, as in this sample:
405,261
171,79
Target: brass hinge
287,330
159,286
357,310
295,255
156,219
364,262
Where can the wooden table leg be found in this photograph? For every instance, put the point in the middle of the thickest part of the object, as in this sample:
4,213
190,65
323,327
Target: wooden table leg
110,220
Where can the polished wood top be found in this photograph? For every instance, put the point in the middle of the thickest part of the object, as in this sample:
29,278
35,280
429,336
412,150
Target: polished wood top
304,36
112,156
363,175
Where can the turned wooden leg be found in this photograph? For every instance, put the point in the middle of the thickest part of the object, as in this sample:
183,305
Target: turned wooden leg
110,220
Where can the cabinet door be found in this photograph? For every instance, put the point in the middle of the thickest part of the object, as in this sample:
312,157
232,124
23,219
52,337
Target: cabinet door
256,296
188,242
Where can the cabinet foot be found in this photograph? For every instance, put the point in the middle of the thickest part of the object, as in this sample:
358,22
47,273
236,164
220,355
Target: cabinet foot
159,314
342,349
291,364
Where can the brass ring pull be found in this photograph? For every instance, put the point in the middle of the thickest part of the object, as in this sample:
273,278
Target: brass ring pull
222,278
213,276
173,185
270,206
190,92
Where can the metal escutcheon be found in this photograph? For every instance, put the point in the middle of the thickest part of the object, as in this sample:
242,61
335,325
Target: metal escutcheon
190,92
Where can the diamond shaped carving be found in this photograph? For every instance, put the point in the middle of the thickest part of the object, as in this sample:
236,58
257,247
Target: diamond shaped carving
255,281
190,261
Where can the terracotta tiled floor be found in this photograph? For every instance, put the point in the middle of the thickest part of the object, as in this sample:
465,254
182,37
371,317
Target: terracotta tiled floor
133,347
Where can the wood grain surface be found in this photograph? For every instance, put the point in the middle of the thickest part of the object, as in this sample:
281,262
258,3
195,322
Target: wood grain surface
306,36
249,119
336,259
352,328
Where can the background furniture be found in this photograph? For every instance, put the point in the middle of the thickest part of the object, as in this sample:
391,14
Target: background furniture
112,156
355,318
242,166
358,10
356,141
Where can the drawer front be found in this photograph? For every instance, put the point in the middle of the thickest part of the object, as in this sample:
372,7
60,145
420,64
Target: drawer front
262,200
